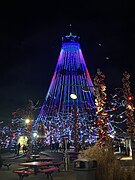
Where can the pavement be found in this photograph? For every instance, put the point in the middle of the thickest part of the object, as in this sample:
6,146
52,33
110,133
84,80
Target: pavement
6,174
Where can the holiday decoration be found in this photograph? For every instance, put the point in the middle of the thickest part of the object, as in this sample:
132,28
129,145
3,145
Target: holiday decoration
23,121
76,128
68,90
128,100
100,102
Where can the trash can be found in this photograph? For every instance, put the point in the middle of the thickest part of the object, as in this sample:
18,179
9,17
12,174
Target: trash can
85,169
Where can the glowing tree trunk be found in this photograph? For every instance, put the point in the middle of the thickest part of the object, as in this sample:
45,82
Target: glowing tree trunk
130,138
76,135
41,133
100,102
128,103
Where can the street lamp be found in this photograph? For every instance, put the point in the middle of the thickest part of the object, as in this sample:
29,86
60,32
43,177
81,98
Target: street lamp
35,134
73,96
27,121
29,127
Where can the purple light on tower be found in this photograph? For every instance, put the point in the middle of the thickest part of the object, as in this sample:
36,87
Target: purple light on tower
71,74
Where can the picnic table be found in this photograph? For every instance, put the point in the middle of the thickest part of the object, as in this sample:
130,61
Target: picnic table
47,159
35,165
34,156
35,168
57,162
4,162
72,155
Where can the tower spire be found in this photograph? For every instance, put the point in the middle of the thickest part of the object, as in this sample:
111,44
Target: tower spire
70,28
70,37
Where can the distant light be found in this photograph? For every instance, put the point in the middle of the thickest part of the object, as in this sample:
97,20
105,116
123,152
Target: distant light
73,96
107,57
112,135
129,106
130,98
34,134
99,44
27,121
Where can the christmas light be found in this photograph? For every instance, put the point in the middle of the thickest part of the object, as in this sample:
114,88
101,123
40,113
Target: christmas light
130,98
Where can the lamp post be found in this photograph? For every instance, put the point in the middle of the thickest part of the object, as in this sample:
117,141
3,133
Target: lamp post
29,127
74,97
76,128
66,153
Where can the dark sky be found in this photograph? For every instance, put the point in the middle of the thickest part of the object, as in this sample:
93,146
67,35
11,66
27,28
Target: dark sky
30,41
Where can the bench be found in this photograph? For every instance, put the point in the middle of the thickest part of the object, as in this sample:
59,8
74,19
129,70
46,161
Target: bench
73,157
7,165
23,168
58,164
4,163
23,173
49,171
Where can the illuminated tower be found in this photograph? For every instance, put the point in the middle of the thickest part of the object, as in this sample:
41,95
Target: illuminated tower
61,109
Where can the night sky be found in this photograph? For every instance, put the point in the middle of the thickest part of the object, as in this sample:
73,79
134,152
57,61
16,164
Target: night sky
30,43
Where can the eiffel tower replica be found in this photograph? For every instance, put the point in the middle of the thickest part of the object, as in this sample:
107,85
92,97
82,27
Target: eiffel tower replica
69,108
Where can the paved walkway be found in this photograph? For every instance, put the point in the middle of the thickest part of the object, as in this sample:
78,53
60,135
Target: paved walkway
6,174
9,175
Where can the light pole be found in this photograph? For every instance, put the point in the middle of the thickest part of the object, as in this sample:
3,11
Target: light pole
29,128
74,97
76,128
66,153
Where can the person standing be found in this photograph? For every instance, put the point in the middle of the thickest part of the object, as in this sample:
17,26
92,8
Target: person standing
18,148
24,149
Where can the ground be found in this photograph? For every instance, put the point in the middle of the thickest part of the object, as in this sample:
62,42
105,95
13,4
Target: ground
6,174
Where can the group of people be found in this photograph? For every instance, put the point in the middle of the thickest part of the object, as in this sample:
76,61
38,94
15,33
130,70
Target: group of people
18,148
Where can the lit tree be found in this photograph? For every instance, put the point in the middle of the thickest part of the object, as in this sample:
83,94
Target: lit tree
128,97
116,112
23,120
100,102
41,132
25,112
